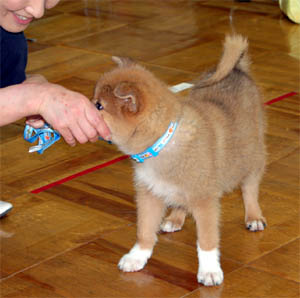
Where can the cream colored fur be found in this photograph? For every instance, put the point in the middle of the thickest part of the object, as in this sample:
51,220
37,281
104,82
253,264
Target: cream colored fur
218,146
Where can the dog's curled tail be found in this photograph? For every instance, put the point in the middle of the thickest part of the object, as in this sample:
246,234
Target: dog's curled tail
234,57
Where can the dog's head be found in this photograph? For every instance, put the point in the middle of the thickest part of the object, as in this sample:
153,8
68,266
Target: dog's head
129,95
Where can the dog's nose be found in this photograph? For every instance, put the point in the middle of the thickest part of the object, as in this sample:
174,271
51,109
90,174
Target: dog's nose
99,105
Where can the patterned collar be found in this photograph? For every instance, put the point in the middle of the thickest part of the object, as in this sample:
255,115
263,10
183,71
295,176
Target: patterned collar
158,145
46,137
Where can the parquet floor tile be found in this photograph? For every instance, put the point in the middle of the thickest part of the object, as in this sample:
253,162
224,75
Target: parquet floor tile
30,171
66,62
248,282
97,276
287,255
44,225
72,27
131,41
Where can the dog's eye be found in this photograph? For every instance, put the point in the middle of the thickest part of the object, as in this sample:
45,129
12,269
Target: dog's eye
99,106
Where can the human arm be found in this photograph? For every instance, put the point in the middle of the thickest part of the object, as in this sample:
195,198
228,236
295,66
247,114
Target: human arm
71,113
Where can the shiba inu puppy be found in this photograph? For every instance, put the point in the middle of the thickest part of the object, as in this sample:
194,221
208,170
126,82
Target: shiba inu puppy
188,151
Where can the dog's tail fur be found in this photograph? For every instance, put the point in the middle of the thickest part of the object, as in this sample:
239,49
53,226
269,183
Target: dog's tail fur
234,57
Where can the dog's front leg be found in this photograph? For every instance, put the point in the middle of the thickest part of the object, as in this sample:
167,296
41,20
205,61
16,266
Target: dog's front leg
150,211
206,214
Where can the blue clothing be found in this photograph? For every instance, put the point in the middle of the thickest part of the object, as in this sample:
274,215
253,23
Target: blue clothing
13,58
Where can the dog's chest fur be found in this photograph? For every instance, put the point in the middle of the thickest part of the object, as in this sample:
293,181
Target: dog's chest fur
159,185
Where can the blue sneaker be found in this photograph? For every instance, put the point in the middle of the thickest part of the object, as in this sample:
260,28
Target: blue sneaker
5,207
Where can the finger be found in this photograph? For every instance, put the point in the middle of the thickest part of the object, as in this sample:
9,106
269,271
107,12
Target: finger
68,136
89,131
103,129
96,120
36,123
94,140
78,133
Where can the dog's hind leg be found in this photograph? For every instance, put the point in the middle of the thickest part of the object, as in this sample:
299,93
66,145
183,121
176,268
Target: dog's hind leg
174,221
253,216
150,212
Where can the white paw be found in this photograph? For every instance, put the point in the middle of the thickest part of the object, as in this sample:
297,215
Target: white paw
256,225
169,227
210,272
135,260
129,263
210,278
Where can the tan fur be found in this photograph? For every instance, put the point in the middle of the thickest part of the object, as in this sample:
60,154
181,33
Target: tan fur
234,56
218,145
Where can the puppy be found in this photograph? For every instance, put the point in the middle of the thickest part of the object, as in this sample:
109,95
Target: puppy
188,152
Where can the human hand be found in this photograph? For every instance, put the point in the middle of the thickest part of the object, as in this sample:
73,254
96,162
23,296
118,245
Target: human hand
35,121
71,114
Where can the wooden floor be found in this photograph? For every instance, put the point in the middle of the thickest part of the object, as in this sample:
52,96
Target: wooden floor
65,239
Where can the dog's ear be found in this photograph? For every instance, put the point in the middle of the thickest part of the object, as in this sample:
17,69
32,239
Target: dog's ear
128,92
123,61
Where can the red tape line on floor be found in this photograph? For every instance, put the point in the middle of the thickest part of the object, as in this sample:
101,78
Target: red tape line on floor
106,164
280,98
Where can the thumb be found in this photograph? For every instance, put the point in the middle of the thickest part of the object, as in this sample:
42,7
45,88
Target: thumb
38,123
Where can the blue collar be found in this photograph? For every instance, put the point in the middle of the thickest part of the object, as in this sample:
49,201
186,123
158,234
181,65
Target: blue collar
158,145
